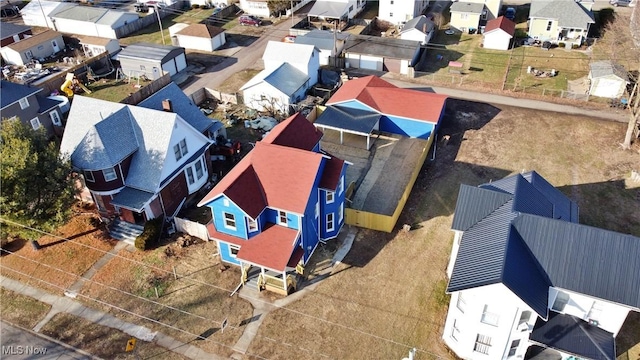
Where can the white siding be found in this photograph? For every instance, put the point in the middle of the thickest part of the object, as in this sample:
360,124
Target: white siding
416,35
497,40
181,62
607,87
263,96
170,67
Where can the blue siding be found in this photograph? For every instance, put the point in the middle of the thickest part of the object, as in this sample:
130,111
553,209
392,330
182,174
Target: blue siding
260,223
338,200
293,220
316,148
309,229
406,127
225,254
218,208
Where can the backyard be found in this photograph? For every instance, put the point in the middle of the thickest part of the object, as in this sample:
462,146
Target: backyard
387,295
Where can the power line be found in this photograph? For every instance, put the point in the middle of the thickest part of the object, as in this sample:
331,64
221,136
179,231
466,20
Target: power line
297,312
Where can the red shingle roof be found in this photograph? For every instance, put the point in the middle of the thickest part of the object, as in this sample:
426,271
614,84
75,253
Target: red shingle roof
388,99
503,23
296,132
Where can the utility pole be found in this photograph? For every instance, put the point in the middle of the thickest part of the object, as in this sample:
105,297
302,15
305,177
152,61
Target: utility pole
157,9
292,24
335,44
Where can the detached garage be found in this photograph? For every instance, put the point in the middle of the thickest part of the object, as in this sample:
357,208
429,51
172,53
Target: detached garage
151,60
608,79
381,54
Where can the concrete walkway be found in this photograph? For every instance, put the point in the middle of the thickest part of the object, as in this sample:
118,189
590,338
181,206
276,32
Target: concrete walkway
70,306
75,288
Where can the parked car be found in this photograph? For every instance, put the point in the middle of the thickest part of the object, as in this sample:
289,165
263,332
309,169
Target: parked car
510,13
250,20
620,2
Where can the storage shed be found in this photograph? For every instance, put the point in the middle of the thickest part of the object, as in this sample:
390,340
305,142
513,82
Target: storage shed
381,54
201,37
93,21
151,60
498,34
608,79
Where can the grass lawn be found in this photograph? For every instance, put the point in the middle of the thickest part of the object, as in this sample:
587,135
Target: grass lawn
235,81
112,90
101,341
21,310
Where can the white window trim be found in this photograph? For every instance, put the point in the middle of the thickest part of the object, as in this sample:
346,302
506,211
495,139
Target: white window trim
340,213
226,220
280,215
252,225
88,176
104,174
37,124
233,248
24,103
461,303
482,344
489,317
55,118
455,331
317,211
330,225
329,197
341,185
225,202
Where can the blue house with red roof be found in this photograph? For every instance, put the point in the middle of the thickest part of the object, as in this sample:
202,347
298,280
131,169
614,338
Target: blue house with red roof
277,204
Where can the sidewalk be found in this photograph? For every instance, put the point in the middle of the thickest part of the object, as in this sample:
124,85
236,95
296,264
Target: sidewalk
64,304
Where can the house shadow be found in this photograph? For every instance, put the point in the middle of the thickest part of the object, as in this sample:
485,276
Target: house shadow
235,40
629,335
435,59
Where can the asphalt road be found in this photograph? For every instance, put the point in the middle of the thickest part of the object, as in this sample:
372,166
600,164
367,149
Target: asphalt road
19,344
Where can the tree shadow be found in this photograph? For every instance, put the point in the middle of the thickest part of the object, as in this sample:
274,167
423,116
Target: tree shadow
69,238
239,40
13,246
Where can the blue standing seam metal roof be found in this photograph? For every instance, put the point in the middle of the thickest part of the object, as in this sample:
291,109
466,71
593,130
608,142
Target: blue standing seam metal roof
182,106
474,204
349,119
574,336
287,78
12,92
131,198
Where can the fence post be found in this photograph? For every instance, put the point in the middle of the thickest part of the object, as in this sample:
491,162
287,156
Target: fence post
175,275
543,91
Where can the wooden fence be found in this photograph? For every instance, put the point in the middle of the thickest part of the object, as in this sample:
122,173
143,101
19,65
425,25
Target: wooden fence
192,228
148,90
380,222
52,83
204,93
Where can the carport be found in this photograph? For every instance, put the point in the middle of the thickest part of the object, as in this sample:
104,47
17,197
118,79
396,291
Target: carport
349,120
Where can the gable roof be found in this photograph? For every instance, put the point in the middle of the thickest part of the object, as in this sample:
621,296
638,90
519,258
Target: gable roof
606,68
286,78
9,29
420,23
467,7
270,175
575,336
501,23
569,13
182,106
329,9
379,46
155,52
92,14
321,39
94,40
201,30
99,134
354,120
49,8
331,174
35,40
388,99
296,132
288,52
526,233
11,92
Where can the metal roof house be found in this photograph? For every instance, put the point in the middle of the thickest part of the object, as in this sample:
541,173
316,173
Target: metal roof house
139,162
151,60
381,54
327,42
274,207
523,272
608,79
92,21
498,33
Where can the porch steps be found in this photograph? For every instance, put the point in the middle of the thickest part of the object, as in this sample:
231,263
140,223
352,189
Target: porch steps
252,278
124,231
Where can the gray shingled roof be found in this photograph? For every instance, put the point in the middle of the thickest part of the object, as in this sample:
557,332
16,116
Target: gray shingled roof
329,9
182,106
354,120
9,29
12,92
526,236
461,6
132,198
607,68
569,13
419,23
378,46
575,336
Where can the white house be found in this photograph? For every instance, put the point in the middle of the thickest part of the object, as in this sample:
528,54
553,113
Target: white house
472,14
608,79
557,21
255,7
36,47
92,21
301,56
418,29
93,45
328,42
398,12
38,13
525,276
498,33
201,37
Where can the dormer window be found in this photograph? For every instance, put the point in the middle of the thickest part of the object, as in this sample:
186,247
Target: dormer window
180,149
253,225
282,218
229,221
24,103
109,174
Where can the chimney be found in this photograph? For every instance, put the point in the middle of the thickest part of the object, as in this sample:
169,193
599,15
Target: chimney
167,105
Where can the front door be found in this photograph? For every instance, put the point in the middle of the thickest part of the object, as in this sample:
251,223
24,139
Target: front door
138,218
55,46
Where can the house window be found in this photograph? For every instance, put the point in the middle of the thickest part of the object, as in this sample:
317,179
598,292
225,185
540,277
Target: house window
109,174
461,304
483,344
549,25
390,14
350,8
341,186
180,149
455,331
28,54
561,301
234,251
330,222
329,197
282,218
55,118
484,14
35,123
253,225
40,47
88,176
199,169
488,317
317,213
190,177
229,221
514,347
340,213
524,319
464,16
24,103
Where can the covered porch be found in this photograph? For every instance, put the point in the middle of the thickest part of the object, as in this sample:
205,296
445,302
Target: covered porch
131,205
361,123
